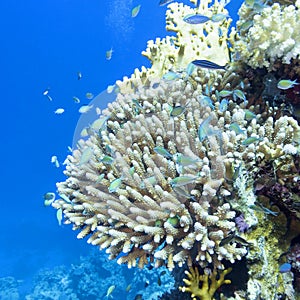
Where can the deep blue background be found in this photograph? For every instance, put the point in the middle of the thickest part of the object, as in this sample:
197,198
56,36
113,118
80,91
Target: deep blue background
44,43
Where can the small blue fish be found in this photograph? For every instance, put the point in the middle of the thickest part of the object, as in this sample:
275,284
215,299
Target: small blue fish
101,176
246,25
107,160
164,2
206,101
190,69
109,291
185,161
65,198
76,99
135,11
286,84
225,93
205,130
162,151
131,171
59,216
219,17
249,115
223,105
49,198
155,85
89,96
152,180
115,184
171,76
202,63
79,75
285,268
108,54
178,110
55,161
236,128
100,124
182,180
196,19
86,155
250,140
138,106
183,192
239,94
259,207
208,89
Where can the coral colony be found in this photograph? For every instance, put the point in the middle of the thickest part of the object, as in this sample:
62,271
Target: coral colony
187,167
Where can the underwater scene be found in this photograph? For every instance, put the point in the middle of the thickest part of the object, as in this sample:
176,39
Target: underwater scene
161,145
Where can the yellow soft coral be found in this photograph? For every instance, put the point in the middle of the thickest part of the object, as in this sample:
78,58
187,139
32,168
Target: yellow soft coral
209,283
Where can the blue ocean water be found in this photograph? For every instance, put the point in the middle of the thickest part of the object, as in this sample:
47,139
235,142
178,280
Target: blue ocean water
44,44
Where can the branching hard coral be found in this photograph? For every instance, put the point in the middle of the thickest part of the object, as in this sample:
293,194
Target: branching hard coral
174,160
158,220
136,202
204,41
204,286
272,34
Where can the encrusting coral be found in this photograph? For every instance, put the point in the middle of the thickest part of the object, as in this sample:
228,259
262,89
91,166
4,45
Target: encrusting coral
170,163
204,286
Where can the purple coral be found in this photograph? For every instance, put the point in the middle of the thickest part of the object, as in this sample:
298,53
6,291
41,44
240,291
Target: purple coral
294,257
241,223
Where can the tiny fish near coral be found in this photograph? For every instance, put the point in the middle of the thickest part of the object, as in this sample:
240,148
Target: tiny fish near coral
162,151
85,108
286,84
55,161
48,198
182,180
196,19
284,268
202,63
164,2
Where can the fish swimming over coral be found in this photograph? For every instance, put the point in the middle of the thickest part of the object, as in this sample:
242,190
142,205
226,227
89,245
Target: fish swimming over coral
164,2
196,19
202,63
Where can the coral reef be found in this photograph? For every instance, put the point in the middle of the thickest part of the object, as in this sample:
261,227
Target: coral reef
205,41
9,288
155,221
171,163
268,33
204,286
91,277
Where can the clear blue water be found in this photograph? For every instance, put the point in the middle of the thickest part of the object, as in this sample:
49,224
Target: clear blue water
44,44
